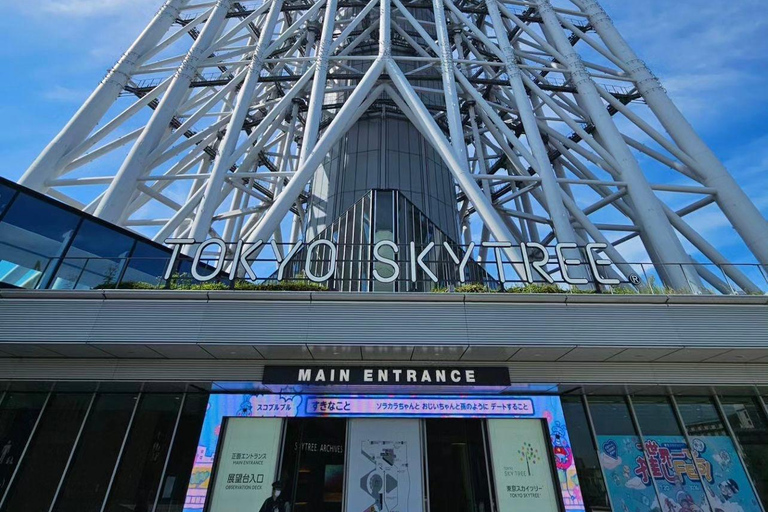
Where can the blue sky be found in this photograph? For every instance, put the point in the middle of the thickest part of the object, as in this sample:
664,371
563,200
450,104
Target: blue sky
712,57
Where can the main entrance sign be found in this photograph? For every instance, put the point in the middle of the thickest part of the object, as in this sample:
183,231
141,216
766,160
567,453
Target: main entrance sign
361,375
323,253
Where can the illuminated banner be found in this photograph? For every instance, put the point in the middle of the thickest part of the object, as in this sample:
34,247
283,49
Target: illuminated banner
521,466
418,407
427,376
532,269
394,408
384,466
247,464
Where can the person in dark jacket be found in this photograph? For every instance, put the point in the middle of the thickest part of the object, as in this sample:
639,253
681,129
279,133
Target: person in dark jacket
276,502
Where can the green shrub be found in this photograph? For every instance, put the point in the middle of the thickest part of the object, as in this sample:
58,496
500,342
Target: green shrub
473,288
128,285
537,288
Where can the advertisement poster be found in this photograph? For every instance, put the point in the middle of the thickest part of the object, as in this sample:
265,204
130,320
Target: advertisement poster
727,484
247,464
715,482
384,461
521,466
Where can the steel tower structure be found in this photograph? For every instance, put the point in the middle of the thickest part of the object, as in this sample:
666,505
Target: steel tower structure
219,117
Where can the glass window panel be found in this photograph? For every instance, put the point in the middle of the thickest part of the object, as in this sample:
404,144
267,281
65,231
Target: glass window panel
6,194
48,453
93,463
700,417
314,479
32,233
17,418
587,464
750,426
457,466
610,416
174,488
146,265
141,466
95,259
656,416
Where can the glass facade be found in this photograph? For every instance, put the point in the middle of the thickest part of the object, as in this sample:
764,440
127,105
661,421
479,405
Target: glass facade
45,244
119,451
388,215
88,452
660,453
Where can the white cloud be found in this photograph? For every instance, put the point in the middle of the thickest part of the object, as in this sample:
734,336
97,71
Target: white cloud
86,8
635,483
63,94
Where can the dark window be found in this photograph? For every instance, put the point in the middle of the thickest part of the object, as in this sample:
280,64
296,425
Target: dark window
6,194
17,419
95,259
48,453
751,428
700,417
457,466
146,265
584,452
138,475
32,233
656,416
93,463
174,488
314,480
611,416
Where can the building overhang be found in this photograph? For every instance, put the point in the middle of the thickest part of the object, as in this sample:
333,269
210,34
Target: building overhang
548,342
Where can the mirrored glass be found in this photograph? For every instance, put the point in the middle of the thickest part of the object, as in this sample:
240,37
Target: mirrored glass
87,479
17,418
95,259
587,464
33,233
141,466
42,467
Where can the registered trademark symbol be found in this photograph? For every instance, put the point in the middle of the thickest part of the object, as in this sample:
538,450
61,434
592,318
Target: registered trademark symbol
634,279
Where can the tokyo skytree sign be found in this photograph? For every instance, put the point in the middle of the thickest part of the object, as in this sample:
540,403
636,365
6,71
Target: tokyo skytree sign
523,122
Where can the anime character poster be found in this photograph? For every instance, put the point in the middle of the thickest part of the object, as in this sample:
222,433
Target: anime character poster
670,477
728,487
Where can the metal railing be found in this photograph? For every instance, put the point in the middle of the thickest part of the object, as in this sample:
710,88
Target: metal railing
354,271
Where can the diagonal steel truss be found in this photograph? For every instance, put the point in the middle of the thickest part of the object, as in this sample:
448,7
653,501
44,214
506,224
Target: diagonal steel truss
215,120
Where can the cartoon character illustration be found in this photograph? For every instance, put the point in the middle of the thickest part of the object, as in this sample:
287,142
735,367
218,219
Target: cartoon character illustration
245,409
728,489
723,458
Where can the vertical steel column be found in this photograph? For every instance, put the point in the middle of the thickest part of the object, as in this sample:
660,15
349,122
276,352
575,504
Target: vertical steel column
170,449
118,196
120,453
650,216
452,108
72,452
317,92
636,423
340,124
461,174
763,406
52,160
592,431
24,451
735,440
736,205
561,220
684,428
212,195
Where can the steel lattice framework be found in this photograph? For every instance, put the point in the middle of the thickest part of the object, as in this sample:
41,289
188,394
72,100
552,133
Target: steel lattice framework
215,120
